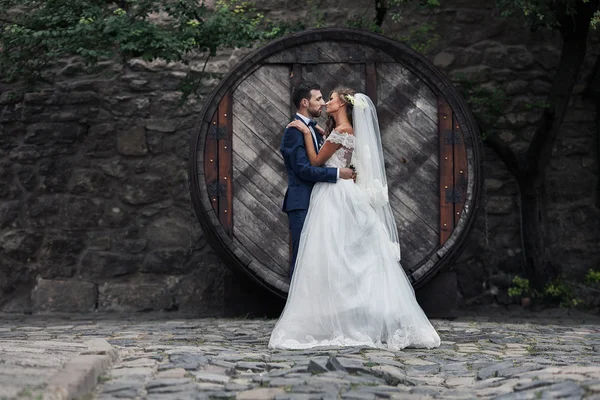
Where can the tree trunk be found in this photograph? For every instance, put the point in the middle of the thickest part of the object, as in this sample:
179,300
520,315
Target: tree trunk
593,91
381,9
534,213
574,31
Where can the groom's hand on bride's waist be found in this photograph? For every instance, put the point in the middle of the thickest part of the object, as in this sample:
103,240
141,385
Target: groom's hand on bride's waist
346,173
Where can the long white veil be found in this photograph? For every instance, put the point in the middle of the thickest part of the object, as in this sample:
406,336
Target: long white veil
368,161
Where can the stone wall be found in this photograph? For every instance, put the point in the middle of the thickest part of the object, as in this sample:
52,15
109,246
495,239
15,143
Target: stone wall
95,211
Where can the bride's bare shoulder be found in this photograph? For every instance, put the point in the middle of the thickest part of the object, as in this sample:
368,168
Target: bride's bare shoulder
345,128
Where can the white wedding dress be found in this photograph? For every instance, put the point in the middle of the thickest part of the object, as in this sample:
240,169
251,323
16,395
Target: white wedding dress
348,287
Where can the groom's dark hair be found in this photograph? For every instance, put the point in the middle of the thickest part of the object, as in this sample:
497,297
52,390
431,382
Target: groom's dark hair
302,91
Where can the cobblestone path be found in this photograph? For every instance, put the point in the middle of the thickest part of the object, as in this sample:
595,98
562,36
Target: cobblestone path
228,359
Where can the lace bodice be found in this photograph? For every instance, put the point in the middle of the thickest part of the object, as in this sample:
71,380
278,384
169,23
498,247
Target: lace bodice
341,158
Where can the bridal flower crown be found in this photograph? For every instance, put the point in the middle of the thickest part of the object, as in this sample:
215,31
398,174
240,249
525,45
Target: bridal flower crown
362,104
349,99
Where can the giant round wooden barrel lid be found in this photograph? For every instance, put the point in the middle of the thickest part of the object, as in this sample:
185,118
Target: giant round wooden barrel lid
430,140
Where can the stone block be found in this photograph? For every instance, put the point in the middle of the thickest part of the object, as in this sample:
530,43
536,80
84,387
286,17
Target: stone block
443,59
100,264
476,74
495,57
169,259
43,211
55,174
162,125
59,254
27,176
500,205
116,214
202,292
144,189
81,213
132,142
115,167
10,97
8,184
134,296
519,57
64,296
9,212
169,231
20,245
101,141
46,134
128,241
91,183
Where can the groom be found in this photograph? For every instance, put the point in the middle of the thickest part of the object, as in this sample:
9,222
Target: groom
302,176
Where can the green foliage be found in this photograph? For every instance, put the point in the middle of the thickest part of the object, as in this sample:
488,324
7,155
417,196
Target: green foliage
592,277
37,33
364,23
562,292
558,291
422,37
315,15
595,19
520,287
543,13
398,8
538,104
487,103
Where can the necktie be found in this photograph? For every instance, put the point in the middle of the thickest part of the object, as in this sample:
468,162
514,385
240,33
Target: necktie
312,124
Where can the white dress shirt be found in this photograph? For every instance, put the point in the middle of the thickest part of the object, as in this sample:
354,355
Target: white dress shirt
307,120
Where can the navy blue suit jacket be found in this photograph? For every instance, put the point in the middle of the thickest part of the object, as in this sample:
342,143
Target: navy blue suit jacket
301,175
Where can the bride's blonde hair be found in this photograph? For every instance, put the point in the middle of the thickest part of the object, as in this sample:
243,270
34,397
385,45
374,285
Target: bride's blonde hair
342,93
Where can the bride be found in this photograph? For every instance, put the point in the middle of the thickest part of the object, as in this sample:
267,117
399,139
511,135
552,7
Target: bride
348,287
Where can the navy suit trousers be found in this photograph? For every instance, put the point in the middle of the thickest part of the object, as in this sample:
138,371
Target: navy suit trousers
296,219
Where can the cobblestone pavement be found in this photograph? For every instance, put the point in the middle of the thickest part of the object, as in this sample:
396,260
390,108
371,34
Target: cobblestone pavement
227,358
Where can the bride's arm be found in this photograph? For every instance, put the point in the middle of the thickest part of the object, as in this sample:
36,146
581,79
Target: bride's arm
326,151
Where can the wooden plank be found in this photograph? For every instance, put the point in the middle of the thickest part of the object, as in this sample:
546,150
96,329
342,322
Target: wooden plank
239,179
269,277
252,226
413,244
371,81
421,199
419,127
266,154
211,162
274,176
258,253
263,185
253,134
395,130
412,87
225,164
329,76
279,78
263,124
264,94
329,52
262,211
460,168
446,170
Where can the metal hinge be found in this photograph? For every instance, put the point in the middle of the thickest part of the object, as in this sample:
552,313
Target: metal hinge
217,189
217,132
454,195
453,137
